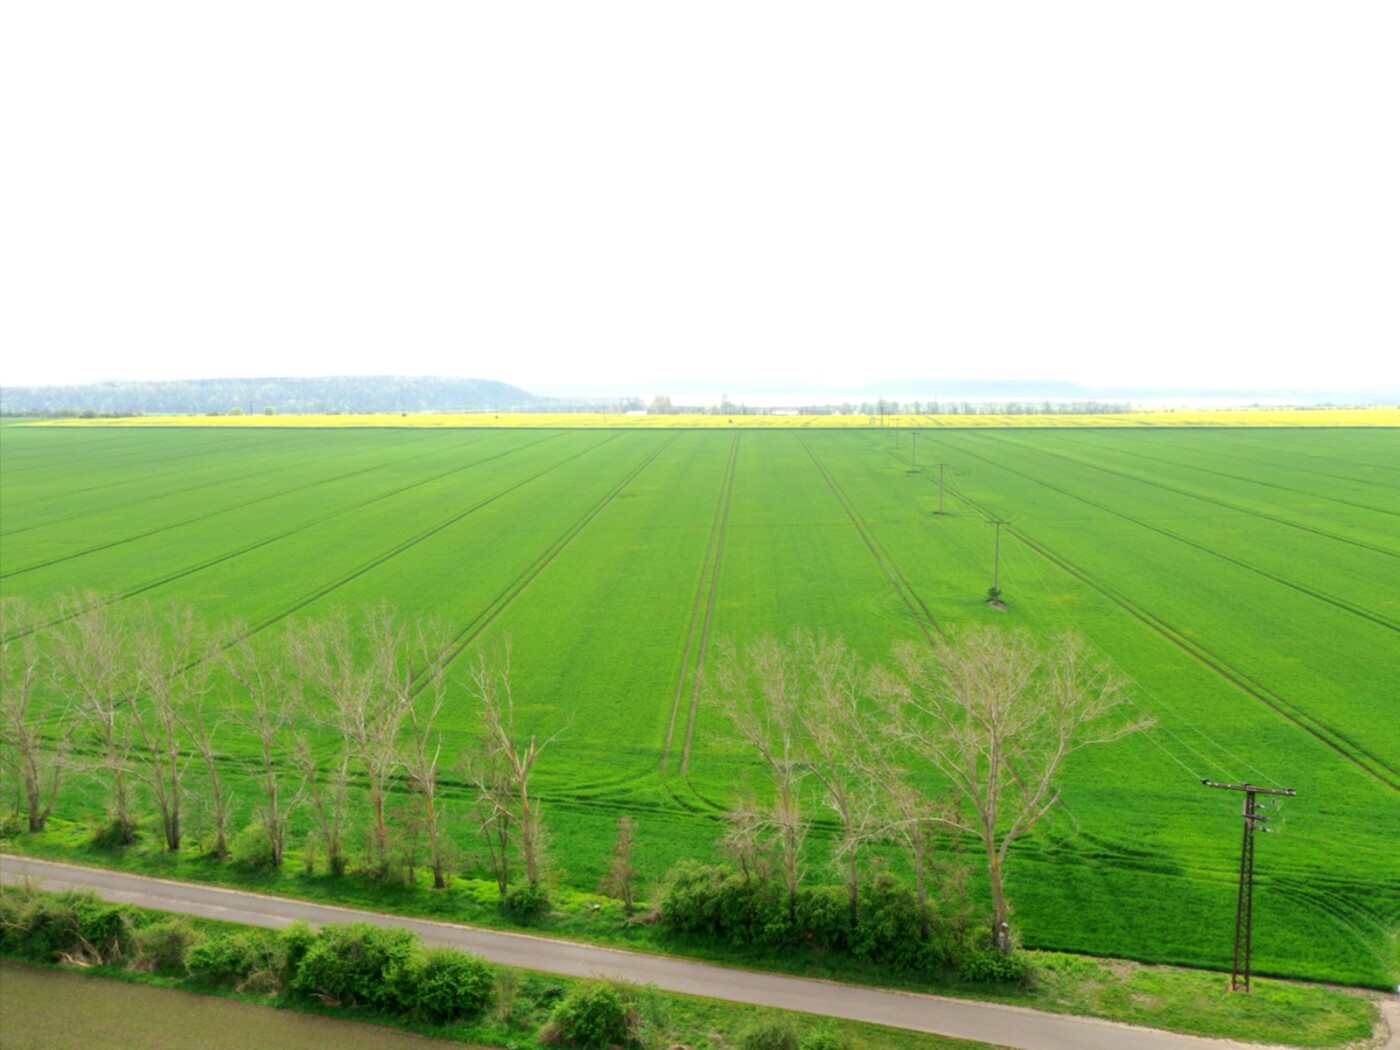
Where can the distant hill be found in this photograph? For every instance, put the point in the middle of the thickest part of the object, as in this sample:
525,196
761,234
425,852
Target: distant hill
317,395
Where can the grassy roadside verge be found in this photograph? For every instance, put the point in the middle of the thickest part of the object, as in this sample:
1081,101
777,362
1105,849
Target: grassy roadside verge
1193,1002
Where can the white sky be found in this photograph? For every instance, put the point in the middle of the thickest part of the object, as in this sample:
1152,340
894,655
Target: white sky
1198,193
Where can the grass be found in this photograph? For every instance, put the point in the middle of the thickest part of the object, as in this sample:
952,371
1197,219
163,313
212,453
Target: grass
1243,578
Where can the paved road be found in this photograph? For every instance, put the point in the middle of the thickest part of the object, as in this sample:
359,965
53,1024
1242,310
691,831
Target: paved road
990,1023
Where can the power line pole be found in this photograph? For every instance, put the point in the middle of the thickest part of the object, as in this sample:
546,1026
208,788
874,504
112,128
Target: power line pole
940,488
914,450
995,592
1244,908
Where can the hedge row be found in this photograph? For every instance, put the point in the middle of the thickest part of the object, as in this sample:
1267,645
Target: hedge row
360,965
891,927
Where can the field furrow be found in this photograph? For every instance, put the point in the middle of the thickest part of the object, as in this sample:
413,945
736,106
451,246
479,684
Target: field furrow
147,506
919,611
715,557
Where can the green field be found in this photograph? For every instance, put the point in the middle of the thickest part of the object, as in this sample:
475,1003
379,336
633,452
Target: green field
1248,581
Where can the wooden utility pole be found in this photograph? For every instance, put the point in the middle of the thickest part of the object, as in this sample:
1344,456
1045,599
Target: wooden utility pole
940,488
1244,908
914,450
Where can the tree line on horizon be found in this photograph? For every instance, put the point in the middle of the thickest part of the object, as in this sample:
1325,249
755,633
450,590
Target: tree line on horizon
312,395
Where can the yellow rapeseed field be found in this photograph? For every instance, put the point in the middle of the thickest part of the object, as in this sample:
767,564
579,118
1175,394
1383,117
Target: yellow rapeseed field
1240,417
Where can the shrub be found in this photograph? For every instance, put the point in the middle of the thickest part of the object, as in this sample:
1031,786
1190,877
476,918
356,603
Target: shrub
990,967
104,927
591,1018
252,848
507,993
38,926
690,904
753,911
114,834
769,1033
824,917
825,1036
356,965
715,900
46,927
540,990
297,940
163,945
526,901
888,932
443,984
239,959
650,1017
12,826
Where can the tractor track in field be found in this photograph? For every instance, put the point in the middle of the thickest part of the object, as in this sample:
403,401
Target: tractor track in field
1302,588
701,614
216,483
1306,493
190,570
112,484
64,457
1375,767
1341,447
507,595
243,506
1246,459
1324,903
1349,749
918,611
408,544
1311,529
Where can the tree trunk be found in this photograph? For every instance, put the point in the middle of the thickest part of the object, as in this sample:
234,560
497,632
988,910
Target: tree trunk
37,818
1001,911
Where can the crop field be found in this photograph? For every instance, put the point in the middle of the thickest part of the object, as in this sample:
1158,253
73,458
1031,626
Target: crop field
1234,417
1247,580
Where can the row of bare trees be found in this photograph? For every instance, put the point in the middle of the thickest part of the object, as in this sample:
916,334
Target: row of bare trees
335,723
327,713
966,736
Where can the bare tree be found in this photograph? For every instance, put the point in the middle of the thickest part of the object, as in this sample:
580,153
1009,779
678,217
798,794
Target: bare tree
363,700
93,649
198,722
34,738
747,835
622,874
831,708
506,766
271,702
488,773
423,750
174,654
760,692
997,715
326,782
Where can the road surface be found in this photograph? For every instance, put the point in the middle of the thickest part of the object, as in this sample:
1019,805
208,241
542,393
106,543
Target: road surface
986,1022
